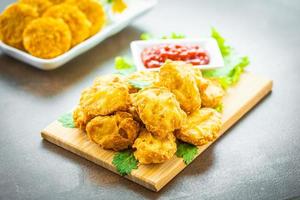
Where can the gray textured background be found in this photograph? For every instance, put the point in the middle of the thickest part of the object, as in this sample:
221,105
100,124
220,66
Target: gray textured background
259,158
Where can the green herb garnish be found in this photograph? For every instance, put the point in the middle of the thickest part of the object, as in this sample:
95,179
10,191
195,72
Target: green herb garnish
219,108
67,120
139,84
186,151
225,49
125,162
174,36
234,65
124,66
146,36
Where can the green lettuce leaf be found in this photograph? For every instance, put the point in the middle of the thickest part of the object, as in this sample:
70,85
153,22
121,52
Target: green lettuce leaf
139,84
67,120
124,66
186,151
125,162
225,49
234,64
146,36
174,36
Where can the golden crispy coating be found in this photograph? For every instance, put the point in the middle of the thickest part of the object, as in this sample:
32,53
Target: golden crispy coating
76,20
212,95
94,12
13,21
142,76
133,110
201,127
211,91
81,118
40,5
150,149
179,78
47,37
57,1
159,110
116,132
110,79
149,76
105,97
202,83
118,6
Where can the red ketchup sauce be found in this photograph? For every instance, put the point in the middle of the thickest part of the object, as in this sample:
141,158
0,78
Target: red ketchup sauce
155,56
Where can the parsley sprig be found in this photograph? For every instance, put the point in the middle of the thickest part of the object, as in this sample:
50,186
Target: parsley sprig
186,151
125,162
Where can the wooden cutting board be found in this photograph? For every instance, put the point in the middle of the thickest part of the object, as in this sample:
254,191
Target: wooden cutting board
238,101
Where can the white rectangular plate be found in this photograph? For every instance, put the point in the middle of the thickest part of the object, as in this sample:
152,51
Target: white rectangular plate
135,9
208,44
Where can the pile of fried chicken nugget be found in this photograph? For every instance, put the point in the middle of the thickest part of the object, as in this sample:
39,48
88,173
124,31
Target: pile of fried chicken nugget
49,28
178,103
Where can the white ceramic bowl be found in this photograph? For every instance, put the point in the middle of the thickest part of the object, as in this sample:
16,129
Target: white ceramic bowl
208,44
135,9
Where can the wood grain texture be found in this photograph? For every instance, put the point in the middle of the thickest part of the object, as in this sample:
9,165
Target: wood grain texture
238,101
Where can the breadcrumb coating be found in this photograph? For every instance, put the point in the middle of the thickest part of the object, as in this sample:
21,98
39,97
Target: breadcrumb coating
47,37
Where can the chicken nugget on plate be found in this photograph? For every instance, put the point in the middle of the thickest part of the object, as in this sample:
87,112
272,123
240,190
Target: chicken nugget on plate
13,21
201,127
150,149
40,5
178,77
94,12
76,20
116,132
159,110
47,37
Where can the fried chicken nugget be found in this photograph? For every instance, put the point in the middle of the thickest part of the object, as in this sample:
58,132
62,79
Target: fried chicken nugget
159,110
81,118
40,5
94,12
150,149
202,83
47,37
76,20
211,91
178,77
105,97
212,95
201,127
116,132
13,21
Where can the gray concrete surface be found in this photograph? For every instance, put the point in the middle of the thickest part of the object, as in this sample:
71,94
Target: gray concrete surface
259,158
